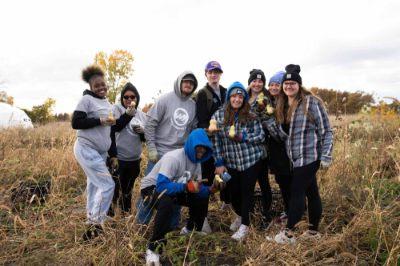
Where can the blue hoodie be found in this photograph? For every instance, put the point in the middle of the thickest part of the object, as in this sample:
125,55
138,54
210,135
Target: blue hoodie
174,163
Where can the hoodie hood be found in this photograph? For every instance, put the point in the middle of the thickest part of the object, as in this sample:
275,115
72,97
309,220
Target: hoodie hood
129,87
198,137
178,81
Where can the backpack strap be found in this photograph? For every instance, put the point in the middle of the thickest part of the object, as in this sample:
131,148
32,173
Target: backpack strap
209,97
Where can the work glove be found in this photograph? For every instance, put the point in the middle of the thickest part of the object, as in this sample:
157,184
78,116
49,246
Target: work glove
138,129
192,186
114,163
153,155
218,183
130,110
107,121
325,164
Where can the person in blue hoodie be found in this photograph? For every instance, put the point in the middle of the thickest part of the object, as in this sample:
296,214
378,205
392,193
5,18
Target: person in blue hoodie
176,179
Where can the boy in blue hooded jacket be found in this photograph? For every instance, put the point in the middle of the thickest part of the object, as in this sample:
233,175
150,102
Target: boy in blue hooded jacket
176,179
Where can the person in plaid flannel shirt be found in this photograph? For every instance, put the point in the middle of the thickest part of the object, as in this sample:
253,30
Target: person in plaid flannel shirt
239,150
302,122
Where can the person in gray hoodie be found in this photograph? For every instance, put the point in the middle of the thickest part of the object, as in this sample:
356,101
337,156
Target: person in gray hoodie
169,123
128,138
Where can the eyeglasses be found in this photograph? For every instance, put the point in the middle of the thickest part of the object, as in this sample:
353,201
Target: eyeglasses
132,97
287,84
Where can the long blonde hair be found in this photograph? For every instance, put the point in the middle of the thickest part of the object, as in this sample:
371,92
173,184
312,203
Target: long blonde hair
284,112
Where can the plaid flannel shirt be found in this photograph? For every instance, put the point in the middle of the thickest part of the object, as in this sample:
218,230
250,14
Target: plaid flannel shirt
234,154
310,136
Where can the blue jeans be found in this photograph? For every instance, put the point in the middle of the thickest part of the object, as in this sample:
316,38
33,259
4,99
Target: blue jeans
145,212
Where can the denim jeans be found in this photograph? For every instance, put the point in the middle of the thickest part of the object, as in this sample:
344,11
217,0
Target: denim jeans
145,211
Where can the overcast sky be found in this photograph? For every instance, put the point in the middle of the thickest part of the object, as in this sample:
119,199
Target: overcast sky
343,45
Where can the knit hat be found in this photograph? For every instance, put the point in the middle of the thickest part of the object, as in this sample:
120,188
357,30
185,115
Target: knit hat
276,78
237,88
213,65
292,73
130,87
257,74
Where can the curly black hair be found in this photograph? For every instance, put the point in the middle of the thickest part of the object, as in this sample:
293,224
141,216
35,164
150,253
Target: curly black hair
91,71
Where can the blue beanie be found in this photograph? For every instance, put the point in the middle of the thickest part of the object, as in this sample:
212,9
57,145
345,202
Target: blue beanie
277,78
237,88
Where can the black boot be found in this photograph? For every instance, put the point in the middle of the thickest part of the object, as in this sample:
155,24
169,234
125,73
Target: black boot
93,231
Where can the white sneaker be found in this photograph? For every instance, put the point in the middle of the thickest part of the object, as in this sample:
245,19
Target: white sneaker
236,224
152,258
284,238
185,231
241,233
311,235
206,227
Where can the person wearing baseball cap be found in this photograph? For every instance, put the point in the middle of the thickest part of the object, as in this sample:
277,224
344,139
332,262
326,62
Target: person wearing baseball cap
239,149
208,100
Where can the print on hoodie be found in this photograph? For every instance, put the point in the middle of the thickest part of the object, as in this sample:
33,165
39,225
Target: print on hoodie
171,119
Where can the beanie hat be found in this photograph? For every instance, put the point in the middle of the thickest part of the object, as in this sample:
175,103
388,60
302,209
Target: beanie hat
257,74
292,73
237,88
276,78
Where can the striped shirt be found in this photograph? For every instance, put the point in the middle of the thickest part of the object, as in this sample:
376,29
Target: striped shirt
238,155
310,136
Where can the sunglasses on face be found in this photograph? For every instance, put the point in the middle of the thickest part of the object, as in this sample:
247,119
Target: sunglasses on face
132,97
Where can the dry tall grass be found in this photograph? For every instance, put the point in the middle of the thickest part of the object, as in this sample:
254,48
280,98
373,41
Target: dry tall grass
360,194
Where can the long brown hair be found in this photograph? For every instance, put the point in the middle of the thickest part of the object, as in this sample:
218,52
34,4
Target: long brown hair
284,112
244,113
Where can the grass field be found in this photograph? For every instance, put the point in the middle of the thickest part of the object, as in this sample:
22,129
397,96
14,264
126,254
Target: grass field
360,194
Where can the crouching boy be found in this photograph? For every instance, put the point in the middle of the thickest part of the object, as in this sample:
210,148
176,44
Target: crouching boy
175,180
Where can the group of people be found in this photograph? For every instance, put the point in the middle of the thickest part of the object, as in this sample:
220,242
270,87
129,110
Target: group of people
199,143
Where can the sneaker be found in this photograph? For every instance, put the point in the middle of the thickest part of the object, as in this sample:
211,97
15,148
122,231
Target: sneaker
185,231
285,237
241,233
93,231
206,227
236,224
311,235
152,258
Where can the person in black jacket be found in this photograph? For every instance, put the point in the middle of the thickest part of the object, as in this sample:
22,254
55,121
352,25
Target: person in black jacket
278,160
208,100
93,119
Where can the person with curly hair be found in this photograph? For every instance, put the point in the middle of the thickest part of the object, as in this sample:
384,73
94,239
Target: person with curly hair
239,150
93,119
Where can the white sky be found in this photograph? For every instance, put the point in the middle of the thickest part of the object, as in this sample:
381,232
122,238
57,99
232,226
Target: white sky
343,45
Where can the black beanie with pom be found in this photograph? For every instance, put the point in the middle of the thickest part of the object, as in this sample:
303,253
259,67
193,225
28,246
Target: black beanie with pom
256,74
292,73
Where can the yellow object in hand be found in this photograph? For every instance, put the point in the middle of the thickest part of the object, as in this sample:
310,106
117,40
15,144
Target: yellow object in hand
269,110
213,125
110,115
232,131
219,179
260,98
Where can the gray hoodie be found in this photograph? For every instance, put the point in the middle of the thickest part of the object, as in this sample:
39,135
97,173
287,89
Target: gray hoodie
171,119
128,142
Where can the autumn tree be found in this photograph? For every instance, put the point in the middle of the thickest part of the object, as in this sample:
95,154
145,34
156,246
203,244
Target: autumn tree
117,67
5,98
42,113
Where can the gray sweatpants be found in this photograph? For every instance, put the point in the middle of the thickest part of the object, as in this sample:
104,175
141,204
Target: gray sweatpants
100,185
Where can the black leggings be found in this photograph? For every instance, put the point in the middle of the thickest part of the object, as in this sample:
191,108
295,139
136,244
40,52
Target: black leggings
304,184
162,221
241,189
284,182
127,173
266,193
